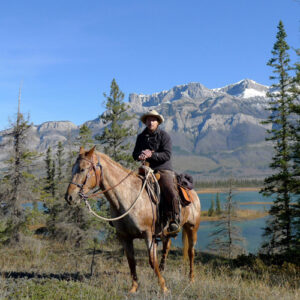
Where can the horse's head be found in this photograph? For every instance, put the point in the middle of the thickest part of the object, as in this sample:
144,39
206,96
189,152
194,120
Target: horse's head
86,175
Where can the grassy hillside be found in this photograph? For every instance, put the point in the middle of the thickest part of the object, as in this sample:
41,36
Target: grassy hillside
39,269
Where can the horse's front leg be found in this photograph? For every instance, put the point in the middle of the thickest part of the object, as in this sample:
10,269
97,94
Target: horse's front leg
152,251
165,251
129,251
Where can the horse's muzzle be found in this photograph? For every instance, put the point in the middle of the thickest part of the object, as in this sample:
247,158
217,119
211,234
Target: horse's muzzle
68,198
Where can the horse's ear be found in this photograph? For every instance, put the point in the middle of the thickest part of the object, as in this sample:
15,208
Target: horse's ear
81,150
91,152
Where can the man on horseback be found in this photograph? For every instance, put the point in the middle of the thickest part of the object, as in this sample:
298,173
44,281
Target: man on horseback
154,146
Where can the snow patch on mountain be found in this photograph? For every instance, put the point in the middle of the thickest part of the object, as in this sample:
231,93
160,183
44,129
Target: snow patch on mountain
246,88
249,93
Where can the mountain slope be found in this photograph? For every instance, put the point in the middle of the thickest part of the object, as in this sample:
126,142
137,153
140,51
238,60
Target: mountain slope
215,132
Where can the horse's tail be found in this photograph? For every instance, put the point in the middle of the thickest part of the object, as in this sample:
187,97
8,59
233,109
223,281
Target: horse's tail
185,244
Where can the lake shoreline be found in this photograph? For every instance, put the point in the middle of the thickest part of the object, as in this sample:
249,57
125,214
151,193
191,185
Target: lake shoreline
225,190
242,215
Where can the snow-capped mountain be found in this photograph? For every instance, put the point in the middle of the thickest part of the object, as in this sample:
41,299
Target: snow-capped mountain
246,88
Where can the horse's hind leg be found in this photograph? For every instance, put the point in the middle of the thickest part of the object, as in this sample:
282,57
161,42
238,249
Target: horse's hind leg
165,251
152,251
129,251
191,233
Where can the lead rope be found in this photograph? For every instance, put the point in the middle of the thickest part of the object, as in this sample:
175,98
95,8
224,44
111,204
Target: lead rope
85,198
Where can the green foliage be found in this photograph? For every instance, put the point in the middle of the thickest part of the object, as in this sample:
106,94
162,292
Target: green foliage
218,205
50,183
5,231
226,182
60,161
116,133
279,232
211,209
60,171
295,154
18,184
72,225
85,138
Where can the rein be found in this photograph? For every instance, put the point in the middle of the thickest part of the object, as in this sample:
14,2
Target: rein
85,197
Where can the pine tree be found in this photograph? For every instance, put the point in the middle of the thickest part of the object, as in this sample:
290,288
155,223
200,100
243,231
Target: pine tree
18,184
278,233
85,138
65,223
71,154
60,161
50,186
295,127
60,174
212,208
226,238
218,205
116,133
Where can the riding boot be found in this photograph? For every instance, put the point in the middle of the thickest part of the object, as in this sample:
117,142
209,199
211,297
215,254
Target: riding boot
174,223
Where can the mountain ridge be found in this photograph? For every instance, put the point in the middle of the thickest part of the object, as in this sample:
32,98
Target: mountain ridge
219,126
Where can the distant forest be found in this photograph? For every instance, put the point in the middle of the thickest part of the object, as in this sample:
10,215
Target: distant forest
226,183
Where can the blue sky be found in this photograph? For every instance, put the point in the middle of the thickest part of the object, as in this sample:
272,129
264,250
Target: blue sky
67,52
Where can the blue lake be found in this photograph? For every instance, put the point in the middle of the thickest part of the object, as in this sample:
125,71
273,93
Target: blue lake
251,230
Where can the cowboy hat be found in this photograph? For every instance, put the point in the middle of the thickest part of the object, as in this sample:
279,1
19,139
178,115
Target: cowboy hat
152,113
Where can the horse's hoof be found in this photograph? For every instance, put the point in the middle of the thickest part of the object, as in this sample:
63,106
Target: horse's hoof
165,290
133,288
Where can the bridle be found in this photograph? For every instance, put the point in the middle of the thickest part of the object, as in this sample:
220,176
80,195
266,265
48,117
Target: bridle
97,168
99,179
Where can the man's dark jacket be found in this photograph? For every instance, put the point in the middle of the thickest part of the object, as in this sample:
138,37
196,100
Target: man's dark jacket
159,142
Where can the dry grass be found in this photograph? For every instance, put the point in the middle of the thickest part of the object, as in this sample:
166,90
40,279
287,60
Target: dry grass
41,270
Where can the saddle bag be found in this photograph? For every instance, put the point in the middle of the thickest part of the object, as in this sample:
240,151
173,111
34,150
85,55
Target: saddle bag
185,194
185,186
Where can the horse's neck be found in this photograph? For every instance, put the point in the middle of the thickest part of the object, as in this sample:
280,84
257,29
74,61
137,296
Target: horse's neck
113,173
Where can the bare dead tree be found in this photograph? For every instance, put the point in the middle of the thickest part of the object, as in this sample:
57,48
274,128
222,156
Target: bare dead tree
226,238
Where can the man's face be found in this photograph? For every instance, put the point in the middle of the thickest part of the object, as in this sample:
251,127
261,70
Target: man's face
152,123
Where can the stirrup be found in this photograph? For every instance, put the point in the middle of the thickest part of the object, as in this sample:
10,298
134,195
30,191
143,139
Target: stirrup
171,233
173,226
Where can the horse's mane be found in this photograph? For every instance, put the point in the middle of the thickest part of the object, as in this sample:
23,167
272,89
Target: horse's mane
113,162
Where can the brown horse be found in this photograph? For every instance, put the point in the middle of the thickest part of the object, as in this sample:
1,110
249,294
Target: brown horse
121,187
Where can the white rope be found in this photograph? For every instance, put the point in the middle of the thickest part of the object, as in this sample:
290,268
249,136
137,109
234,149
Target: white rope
150,171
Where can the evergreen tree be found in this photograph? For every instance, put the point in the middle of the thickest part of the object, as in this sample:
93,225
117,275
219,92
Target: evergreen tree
226,238
50,186
18,184
71,154
61,182
116,133
212,208
278,233
60,161
66,223
218,205
295,127
85,138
